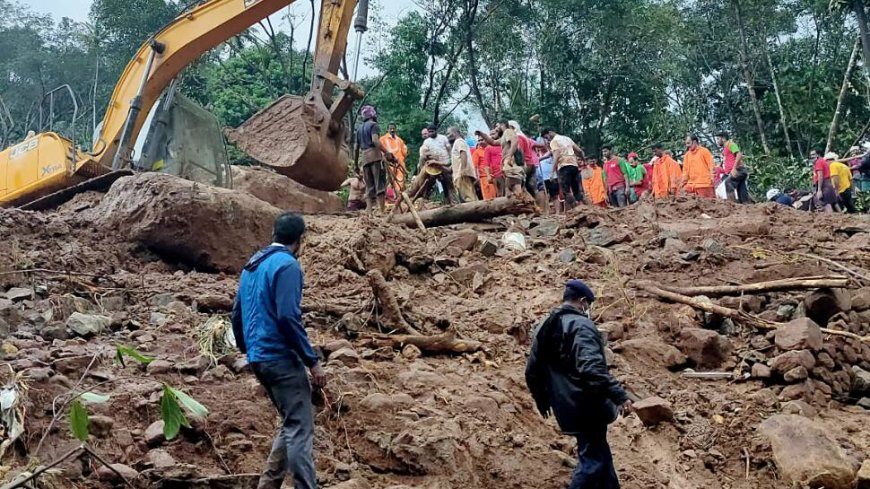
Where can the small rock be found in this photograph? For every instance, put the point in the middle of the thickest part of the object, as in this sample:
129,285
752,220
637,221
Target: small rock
239,364
785,312
760,371
707,349
101,426
612,331
604,236
799,334
106,474
861,299
653,410
347,356
17,294
713,247
864,402
690,255
546,228
566,460
87,325
796,374
332,346
864,475
800,408
161,300
675,246
464,240
411,352
765,397
112,303
567,255
160,459
157,319
159,367
154,433
195,366
667,355
55,331
861,382
487,247
791,359
378,402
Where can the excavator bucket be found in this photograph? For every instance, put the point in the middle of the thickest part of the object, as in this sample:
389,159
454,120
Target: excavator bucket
297,137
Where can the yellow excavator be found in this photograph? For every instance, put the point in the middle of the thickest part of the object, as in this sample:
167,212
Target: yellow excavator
47,169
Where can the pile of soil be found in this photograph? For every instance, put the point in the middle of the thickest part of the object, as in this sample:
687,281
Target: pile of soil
401,418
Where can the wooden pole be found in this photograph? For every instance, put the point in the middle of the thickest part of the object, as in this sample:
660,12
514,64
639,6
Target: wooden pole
471,212
759,287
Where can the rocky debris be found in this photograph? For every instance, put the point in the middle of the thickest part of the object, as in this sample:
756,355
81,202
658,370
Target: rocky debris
663,354
106,474
168,215
378,402
87,325
604,236
486,247
654,410
157,319
713,248
861,382
792,359
864,475
160,459
864,402
17,294
675,246
805,454
411,352
464,239
346,356
54,331
799,334
760,371
545,228
101,426
800,408
706,349
352,484
283,192
194,366
796,374
154,433
567,255
821,305
612,331
159,367
861,299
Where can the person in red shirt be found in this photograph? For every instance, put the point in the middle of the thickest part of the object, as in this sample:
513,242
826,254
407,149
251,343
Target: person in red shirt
826,196
530,158
735,171
617,182
492,156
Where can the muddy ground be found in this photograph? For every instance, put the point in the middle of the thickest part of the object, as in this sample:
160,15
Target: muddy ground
395,418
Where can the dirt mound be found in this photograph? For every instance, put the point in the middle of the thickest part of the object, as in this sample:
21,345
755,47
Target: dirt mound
284,193
209,227
399,417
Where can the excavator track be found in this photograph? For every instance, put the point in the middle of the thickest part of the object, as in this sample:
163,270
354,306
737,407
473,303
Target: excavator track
100,184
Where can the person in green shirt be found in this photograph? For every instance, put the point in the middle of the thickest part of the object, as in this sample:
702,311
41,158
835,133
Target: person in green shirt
635,173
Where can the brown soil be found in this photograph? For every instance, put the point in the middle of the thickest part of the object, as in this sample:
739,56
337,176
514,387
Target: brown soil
284,193
460,421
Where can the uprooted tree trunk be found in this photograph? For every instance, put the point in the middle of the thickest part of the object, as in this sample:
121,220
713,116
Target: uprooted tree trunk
759,287
391,314
469,212
446,342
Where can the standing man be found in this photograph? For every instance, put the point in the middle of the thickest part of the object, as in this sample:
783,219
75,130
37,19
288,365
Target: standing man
666,174
636,177
698,168
841,178
616,172
594,185
565,153
512,160
530,159
395,145
735,171
267,325
438,148
492,155
484,174
373,154
825,194
567,374
463,171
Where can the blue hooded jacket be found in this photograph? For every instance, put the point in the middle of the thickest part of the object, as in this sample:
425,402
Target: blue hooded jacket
268,309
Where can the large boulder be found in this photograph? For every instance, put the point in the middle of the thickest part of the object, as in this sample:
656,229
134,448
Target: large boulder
654,410
799,334
208,227
707,349
87,325
805,454
284,192
648,349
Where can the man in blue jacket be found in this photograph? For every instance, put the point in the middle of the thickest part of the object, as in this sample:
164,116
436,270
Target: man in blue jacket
567,374
267,322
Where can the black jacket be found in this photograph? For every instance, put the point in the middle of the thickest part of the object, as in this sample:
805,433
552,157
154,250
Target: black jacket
567,372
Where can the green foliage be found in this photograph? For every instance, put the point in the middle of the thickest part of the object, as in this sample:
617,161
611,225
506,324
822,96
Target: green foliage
79,421
171,411
127,351
94,398
780,173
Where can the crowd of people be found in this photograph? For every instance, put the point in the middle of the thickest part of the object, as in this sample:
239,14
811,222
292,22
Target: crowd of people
555,171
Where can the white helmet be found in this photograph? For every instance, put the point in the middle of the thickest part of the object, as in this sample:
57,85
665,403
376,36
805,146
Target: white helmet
832,156
773,193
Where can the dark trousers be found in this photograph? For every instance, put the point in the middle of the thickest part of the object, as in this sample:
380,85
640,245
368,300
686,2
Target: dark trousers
618,197
569,184
292,455
531,182
738,184
847,200
595,465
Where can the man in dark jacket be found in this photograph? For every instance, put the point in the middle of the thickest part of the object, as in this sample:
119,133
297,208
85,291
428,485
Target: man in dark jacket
567,374
267,323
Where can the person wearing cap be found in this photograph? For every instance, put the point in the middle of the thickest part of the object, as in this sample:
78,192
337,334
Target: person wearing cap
368,140
736,174
825,194
841,179
567,376
636,175
775,195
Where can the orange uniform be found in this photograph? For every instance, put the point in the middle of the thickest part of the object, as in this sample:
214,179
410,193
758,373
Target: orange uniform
478,159
594,186
698,168
666,175
397,146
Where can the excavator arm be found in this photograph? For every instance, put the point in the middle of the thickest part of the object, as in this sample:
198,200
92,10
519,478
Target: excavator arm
184,40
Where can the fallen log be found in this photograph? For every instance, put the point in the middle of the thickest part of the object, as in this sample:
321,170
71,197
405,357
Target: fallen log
391,314
832,282
468,212
734,314
834,264
446,342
